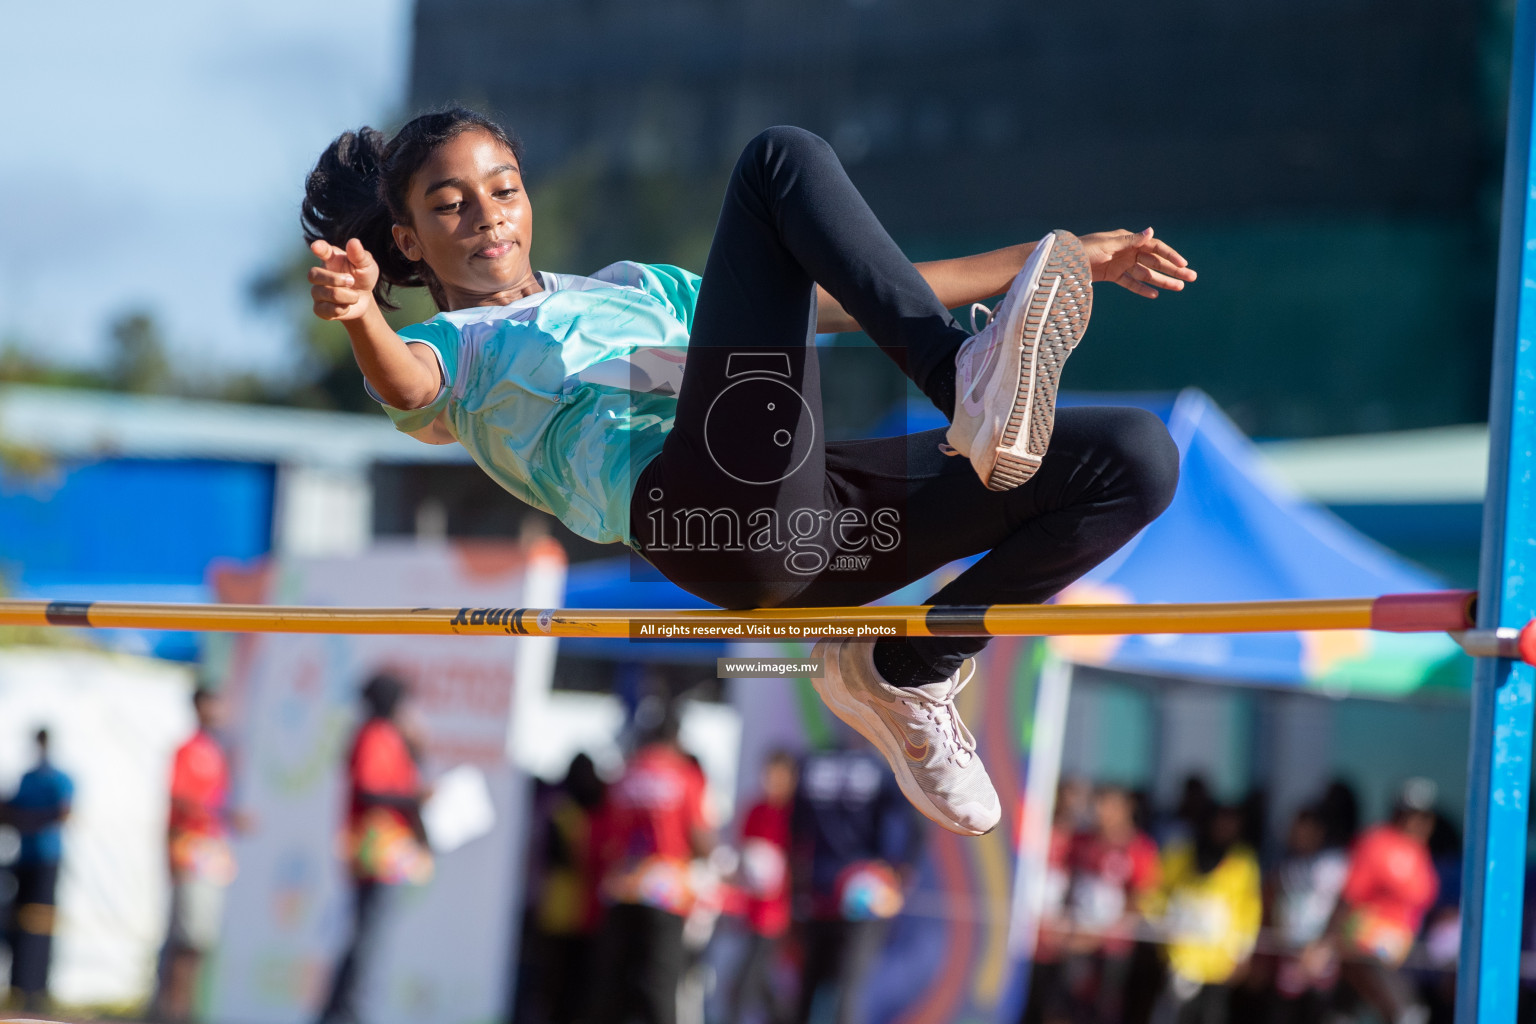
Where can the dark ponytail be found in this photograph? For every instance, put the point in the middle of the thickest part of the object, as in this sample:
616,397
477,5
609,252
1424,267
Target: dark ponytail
359,187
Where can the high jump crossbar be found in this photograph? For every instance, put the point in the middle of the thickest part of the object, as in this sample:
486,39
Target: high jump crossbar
1449,611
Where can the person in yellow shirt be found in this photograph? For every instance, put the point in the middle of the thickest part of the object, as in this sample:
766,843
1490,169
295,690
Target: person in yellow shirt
1209,907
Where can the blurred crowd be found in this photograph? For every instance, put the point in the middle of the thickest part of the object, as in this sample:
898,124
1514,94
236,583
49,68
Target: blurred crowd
1193,914
642,906
634,890
1195,917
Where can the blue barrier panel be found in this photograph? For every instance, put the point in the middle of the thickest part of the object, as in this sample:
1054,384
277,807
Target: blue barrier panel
1499,775
132,521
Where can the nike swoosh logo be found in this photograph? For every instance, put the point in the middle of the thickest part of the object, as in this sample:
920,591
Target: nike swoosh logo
914,752
976,370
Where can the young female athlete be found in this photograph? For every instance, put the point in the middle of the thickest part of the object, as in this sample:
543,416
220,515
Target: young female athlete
681,415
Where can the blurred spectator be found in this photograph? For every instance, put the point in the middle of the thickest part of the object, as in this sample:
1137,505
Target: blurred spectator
707,879
1390,886
565,909
1114,869
1049,995
764,876
201,862
1340,809
653,823
1211,908
1304,890
38,811
385,839
1255,811
1190,815
855,842
1441,935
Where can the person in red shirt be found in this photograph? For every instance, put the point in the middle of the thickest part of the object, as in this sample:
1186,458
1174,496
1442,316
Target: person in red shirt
653,824
201,862
1112,866
1049,994
764,877
1391,884
385,838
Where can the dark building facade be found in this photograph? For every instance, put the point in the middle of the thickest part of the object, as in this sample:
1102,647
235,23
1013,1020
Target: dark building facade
1331,168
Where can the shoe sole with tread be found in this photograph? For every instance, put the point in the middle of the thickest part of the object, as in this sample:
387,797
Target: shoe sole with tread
1055,318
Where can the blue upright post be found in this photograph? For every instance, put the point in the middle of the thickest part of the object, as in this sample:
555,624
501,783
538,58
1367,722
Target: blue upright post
1499,776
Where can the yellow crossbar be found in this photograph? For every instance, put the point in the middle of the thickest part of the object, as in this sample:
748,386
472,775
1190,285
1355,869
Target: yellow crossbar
1399,613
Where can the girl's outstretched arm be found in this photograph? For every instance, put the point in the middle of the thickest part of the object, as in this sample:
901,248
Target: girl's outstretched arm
1135,260
405,376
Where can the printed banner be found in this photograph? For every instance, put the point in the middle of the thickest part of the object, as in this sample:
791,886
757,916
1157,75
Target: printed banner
446,947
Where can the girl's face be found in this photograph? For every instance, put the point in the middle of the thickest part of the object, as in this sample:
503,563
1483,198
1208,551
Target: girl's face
471,222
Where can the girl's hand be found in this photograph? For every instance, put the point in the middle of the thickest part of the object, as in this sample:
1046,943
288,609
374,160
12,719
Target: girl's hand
1136,262
343,288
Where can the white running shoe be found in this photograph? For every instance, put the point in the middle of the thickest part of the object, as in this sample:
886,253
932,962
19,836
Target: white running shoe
1006,374
918,730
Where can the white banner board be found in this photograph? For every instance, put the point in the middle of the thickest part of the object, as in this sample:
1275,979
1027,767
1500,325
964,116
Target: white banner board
448,951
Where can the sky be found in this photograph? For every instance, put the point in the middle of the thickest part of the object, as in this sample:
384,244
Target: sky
152,157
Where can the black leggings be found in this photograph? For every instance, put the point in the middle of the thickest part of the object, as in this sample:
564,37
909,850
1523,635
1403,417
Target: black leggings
749,506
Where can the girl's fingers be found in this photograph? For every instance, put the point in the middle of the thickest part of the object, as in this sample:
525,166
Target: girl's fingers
1130,284
1152,261
334,257
1167,252
329,310
1166,266
339,296
1149,276
357,255
322,275
1147,244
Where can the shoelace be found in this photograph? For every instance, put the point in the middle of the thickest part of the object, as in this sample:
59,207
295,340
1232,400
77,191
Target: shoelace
975,329
959,742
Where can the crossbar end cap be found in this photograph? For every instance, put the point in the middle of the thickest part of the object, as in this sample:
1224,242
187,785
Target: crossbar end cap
1527,643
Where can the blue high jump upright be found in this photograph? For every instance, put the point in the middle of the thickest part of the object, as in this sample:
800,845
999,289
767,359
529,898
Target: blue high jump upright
1499,776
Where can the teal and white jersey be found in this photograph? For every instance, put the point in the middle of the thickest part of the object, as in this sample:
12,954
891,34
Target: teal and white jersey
564,395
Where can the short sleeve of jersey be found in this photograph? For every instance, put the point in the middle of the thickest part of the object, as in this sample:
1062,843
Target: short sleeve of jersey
442,338
759,823
191,774
674,286
1145,870
1360,882
380,763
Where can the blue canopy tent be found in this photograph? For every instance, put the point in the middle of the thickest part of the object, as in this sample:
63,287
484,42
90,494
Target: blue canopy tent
1235,533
